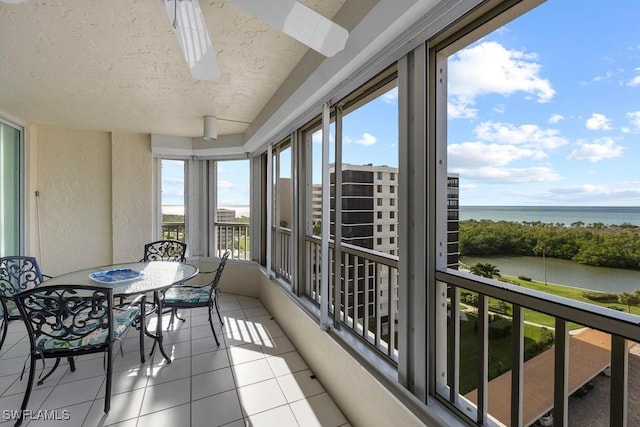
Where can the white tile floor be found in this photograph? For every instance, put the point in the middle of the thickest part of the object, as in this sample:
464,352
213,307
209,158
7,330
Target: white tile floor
255,378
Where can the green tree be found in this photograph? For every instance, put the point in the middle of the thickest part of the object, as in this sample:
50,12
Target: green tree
629,299
542,248
485,269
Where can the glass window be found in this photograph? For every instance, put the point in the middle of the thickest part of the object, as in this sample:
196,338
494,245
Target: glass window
282,209
10,194
232,219
173,173
541,184
392,189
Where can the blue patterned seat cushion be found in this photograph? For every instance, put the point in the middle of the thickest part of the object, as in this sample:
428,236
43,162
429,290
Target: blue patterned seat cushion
12,308
187,295
122,319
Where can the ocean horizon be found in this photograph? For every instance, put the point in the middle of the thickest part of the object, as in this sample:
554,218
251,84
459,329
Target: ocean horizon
567,215
241,210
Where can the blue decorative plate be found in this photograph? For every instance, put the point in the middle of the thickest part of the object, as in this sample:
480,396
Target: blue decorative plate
115,276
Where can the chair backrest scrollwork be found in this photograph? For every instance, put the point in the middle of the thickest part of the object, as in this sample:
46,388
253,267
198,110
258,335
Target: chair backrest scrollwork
68,316
17,274
165,250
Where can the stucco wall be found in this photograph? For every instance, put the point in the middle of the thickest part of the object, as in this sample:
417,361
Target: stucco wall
74,180
95,204
131,195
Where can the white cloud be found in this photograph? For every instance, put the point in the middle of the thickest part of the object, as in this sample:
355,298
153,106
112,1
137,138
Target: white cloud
461,110
601,149
226,184
620,193
491,68
556,118
527,134
636,80
391,97
316,138
470,155
366,139
634,118
500,108
510,175
606,76
598,121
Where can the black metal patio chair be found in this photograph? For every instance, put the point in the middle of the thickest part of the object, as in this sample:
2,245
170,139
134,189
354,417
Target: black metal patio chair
195,296
72,320
17,274
165,250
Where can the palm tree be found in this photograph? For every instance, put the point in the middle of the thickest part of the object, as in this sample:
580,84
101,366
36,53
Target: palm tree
542,248
485,270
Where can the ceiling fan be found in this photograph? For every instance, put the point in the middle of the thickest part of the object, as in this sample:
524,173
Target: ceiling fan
289,16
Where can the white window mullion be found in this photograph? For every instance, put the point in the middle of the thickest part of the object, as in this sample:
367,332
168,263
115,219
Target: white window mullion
324,283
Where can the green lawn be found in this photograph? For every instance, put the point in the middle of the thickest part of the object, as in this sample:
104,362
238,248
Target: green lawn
499,352
551,288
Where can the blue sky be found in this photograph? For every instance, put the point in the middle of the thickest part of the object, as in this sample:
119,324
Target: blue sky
543,111
546,110
233,182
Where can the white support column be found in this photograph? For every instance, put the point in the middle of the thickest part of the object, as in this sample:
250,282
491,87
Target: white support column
193,206
269,208
412,292
324,283
337,232
276,256
212,213
157,199
436,160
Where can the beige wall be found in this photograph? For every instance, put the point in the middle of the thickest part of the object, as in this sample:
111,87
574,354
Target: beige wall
131,195
95,203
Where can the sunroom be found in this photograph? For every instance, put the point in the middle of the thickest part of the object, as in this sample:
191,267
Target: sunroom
345,293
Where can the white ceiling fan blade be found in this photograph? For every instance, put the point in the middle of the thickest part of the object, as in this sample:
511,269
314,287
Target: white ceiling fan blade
190,29
300,22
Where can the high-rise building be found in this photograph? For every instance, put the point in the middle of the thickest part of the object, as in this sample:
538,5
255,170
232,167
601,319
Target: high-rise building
226,215
369,206
370,220
453,220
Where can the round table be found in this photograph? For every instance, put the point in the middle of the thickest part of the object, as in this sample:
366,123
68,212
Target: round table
154,276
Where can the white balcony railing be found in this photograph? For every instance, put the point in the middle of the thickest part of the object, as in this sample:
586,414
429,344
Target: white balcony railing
233,237
369,281
622,330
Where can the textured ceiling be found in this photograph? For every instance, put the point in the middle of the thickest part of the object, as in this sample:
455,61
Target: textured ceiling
115,65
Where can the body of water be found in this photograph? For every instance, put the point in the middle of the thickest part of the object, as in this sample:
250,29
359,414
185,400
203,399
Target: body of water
563,272
567,215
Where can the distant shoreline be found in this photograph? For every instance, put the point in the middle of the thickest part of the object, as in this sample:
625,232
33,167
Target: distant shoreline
608,215
241,210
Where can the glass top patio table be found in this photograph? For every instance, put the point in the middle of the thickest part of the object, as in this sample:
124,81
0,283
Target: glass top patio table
154,276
